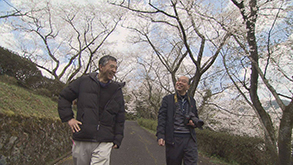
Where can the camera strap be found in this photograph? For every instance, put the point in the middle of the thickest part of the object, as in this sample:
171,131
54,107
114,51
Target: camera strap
181,108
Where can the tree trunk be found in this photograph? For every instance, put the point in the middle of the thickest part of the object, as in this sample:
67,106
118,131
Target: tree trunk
194,83
253,52
285,135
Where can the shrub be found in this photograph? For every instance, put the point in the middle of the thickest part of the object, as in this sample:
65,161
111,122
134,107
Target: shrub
148,123
243,150
27,75
231,148
130,116
25,71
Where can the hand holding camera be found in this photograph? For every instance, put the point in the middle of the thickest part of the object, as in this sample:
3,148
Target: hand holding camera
192,120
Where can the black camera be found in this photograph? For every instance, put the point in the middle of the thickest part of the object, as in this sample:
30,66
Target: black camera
197,122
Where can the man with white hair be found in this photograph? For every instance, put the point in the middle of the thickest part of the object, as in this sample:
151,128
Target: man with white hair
176,122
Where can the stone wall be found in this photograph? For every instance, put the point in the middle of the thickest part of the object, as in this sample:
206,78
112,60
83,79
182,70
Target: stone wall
32,140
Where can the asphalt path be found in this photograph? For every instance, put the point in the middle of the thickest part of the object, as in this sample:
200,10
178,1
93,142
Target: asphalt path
139,147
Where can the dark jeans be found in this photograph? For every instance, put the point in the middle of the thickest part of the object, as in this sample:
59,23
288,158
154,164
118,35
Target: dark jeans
184,149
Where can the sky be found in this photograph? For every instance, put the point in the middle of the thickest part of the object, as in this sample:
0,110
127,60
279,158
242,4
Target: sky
10,40
120,37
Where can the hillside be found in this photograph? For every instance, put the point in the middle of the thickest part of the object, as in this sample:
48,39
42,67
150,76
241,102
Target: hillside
18,100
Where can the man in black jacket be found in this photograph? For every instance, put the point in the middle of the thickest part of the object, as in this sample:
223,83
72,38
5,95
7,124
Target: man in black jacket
100,116
176,122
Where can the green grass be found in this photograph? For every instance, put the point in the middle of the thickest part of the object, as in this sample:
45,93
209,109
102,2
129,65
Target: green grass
218,160
17,100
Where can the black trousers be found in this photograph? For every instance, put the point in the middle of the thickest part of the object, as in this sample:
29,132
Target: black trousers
184,150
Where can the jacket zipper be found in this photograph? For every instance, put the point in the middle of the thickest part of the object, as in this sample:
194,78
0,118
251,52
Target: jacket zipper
98,126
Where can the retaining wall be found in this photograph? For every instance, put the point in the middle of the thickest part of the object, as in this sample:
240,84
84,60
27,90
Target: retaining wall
32,140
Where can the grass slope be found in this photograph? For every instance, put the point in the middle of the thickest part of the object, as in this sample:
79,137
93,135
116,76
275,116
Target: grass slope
17,100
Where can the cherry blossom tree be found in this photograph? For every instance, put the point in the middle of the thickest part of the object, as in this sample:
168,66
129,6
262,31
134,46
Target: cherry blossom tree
175,35
178,31
260,46
11,11
65,39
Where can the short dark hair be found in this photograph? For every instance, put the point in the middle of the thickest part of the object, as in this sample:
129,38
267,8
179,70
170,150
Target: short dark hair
105,59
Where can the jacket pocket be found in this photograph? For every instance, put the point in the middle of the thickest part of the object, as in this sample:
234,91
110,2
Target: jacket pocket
107,119
112,107
106,133
88,131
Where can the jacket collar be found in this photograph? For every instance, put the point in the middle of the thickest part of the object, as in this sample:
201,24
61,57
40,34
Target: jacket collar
94,76
177,96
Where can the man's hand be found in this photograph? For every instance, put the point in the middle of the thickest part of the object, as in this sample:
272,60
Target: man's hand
191,123
161,142
74,125
115,146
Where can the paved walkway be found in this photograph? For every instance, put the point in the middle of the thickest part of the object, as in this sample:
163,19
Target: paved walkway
139,147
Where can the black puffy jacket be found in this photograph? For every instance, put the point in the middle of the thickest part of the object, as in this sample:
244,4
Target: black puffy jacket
105,125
